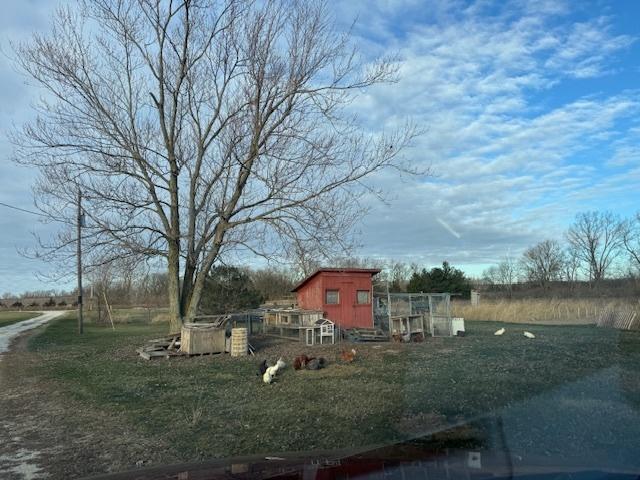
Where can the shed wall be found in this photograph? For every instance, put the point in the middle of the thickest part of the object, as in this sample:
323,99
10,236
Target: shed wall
347,313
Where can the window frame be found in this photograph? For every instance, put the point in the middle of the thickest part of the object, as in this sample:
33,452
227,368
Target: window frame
326,297
358,302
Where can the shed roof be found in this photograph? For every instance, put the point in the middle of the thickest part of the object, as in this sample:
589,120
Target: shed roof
371,271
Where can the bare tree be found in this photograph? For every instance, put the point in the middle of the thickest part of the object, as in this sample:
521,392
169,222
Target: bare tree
504,274
198,130
630,229
543,262
571,265
596,238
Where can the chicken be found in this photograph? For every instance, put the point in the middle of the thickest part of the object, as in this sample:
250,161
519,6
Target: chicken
499,332
262,367
271,372
529,335
268,375
316,363
348,356
301,361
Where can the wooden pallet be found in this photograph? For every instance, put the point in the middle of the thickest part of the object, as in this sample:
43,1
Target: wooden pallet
366,335
164,347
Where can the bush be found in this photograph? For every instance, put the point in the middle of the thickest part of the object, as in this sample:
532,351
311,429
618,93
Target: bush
17,305
229,289
49,303
34,304
62,303
447,279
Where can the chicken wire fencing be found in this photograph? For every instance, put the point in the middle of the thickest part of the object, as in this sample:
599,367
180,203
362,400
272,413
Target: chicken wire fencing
440,315
434,308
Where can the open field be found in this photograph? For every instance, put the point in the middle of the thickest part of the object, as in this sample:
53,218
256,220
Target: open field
7,318
543,311
139,315
182,409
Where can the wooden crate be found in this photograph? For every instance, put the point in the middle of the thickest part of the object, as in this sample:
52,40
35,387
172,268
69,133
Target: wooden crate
198,338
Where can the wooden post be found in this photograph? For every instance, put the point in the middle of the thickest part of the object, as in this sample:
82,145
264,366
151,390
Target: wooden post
79,259
108,308
389,305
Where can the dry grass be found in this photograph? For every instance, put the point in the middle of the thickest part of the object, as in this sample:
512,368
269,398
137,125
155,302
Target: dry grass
160,318
542,311
129,315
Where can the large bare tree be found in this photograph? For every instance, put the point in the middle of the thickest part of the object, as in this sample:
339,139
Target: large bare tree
543,262
596,238
199,129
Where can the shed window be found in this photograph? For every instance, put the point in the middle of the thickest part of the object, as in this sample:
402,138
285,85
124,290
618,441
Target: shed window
363,297
332,297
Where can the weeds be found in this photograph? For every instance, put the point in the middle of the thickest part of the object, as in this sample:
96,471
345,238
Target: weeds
547,311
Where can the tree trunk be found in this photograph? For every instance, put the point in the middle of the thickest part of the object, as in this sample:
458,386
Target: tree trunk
196,295
187,286
198,283
175,312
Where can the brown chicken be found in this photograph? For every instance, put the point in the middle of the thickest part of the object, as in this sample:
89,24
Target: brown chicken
348,355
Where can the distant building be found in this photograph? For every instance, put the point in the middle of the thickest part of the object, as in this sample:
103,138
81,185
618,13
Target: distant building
343,294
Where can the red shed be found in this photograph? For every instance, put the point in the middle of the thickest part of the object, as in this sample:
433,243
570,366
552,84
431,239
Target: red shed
343,294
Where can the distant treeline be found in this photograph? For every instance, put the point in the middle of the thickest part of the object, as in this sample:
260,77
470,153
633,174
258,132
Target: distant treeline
598,256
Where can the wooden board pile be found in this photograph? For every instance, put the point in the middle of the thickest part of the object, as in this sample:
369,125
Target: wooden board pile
164,347
620,319
366,335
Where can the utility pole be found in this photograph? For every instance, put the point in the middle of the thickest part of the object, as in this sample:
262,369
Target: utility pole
79,256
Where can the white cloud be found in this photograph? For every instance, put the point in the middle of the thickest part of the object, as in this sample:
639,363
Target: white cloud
514,151
512,146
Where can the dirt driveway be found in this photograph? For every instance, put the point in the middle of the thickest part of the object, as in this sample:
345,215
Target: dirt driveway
10,332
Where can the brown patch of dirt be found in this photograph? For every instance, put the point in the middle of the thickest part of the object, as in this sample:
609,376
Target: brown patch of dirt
47,435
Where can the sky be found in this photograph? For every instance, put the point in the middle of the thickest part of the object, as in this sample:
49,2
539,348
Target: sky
529,112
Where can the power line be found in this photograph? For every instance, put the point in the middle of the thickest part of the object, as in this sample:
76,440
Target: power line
22,209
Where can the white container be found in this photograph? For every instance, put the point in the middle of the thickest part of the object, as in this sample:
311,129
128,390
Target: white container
457,325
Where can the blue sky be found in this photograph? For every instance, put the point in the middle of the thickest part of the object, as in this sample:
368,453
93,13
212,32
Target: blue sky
530,112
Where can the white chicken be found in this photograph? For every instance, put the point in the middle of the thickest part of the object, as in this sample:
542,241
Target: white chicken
499,332
529,334
271,372
268,375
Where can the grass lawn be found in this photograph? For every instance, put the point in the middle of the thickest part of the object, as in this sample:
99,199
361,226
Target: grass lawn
7,318
215,406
